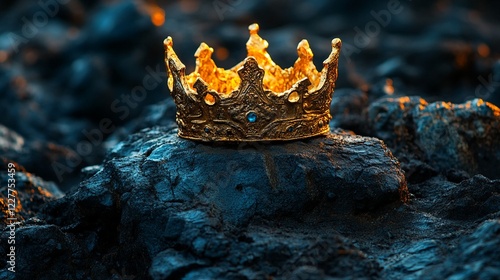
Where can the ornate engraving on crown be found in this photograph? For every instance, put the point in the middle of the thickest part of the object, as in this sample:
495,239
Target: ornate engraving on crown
256,100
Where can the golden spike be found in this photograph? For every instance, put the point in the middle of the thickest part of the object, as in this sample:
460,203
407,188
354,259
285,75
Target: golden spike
222,81
274,77
168,43
304,66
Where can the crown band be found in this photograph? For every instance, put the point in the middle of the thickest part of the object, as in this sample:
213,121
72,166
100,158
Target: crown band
256,100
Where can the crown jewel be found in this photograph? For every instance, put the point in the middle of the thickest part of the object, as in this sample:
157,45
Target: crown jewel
256,100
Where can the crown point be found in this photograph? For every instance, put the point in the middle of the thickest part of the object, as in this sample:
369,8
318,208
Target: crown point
303,49
203,51
168,42
336,43
253,28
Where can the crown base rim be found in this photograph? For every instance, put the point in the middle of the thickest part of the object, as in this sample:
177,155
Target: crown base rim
324,131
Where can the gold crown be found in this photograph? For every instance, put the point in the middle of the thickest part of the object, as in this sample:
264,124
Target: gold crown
255,100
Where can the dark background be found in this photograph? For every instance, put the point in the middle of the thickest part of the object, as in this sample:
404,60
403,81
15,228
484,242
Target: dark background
68,68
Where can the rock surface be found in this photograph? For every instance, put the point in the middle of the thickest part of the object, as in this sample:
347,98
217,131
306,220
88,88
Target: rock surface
475,257
204,195
344,173
38,156
31,192
219,206
444,135
251,218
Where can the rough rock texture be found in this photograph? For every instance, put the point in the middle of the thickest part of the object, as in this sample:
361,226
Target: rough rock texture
281,210
36,156
443,135
472,199
446,234
348,110
476,257
212,218
32,192
160,114
344,172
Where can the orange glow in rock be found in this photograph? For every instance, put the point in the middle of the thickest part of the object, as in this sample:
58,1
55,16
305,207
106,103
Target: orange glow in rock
158,16
389,88
221,53
275,79
155,12
3,56
483,50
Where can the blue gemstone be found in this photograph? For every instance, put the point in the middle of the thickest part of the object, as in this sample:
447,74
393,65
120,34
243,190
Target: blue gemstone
252,117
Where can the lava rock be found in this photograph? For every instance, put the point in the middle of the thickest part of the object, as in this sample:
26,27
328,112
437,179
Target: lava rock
46,159
390,119
475,257
32,192
417,256
348,108
265,252
344,173
472,199
177,203
160,114
45,251
172,264
446,136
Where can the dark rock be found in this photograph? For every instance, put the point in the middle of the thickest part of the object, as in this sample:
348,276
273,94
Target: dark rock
456,176
472,199
465,135
298,173
32,193
171,264
120,23
348,108
308,273
276,252
225,186
42,158
417,256
48,245
416,171
89,171
390,120
475,257
160,114
446,136
40,246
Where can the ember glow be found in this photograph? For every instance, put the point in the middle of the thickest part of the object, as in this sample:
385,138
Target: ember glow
276,79
155,12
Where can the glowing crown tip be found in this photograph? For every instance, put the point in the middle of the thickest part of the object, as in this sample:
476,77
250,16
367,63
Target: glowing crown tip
253,28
